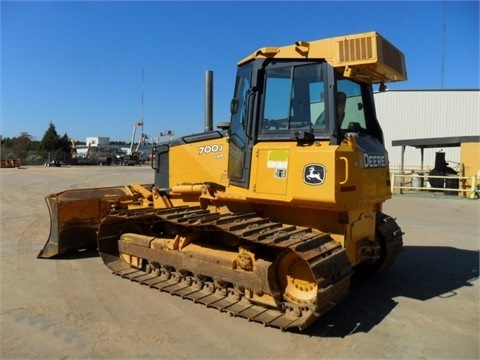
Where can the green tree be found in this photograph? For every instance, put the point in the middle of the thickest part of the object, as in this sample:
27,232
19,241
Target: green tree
50,141
64,143
54,147
6,142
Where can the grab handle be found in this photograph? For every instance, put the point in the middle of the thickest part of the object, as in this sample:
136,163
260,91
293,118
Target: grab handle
346,170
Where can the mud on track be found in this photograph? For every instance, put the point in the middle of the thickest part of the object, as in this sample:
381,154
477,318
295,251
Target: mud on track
425,306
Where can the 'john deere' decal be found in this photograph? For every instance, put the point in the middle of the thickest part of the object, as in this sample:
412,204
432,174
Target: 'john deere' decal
374,161
314,174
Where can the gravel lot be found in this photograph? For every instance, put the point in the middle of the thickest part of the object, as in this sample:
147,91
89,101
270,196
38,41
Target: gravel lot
426,306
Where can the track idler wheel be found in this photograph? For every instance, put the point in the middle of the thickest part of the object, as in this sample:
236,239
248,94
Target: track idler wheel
296,279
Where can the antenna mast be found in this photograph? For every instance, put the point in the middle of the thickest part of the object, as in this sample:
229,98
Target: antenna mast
142,98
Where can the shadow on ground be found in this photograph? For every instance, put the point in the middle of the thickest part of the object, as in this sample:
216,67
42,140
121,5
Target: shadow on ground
420,273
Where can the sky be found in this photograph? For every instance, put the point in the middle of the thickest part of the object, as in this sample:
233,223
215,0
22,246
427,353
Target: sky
95,68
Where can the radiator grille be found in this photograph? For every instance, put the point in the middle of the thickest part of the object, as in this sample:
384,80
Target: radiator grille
355,49
372,49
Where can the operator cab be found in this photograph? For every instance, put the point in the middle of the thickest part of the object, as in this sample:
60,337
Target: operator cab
307,96
303,101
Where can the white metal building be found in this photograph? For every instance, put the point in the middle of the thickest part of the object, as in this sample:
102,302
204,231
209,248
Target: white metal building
417,114
98,140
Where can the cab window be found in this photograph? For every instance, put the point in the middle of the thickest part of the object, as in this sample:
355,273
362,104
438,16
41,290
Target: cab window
353,114
294,97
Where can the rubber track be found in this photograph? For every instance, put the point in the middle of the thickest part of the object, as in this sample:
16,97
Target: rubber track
326,258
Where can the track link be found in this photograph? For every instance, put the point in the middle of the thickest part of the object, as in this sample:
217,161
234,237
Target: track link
325,258
391,239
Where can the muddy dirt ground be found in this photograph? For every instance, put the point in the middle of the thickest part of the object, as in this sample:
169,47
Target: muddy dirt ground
426,306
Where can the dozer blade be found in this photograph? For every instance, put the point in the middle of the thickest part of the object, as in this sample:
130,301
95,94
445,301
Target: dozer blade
76,214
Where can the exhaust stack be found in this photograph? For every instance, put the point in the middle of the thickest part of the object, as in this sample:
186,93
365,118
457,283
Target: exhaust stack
208,100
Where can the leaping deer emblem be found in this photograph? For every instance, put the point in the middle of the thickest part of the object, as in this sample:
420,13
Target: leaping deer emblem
314,174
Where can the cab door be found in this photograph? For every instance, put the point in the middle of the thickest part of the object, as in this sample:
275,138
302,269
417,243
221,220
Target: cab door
240,132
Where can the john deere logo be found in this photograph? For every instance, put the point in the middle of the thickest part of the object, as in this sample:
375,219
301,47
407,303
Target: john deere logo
314,174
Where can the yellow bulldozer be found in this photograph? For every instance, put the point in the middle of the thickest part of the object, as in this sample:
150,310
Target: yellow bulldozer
268,218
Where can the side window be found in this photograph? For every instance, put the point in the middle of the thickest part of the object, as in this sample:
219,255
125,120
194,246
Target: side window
238,124
278,94
317,105
307,96
353,113
239,108
294,97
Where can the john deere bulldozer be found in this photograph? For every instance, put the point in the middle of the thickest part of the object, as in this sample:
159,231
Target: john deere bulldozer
266,219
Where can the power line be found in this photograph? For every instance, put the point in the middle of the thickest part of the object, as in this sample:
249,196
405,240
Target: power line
444,42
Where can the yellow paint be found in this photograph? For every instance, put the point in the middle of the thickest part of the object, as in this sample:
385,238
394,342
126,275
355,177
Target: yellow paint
365,57
470,158
199,162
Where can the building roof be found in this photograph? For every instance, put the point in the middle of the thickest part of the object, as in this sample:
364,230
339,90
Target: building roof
452,141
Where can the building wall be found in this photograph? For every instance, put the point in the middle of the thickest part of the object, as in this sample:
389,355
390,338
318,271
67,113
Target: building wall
417,114
470,157
98,140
